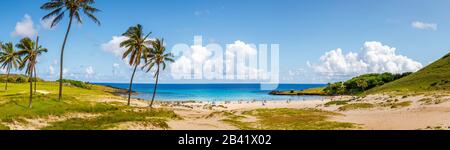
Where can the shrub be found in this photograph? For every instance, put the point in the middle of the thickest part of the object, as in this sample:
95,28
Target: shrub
21,79
76,83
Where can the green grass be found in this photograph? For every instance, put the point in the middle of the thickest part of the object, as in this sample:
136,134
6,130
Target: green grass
432,78
14,107
344,102
401,104
309,91
46,105
288,119
355,106
156,117
3,127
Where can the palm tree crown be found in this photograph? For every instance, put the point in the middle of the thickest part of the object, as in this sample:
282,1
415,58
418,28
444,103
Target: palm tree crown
8,56
157,56
28,50
136,44
59,7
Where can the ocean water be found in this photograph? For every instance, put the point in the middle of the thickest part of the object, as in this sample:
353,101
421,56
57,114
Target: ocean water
213,92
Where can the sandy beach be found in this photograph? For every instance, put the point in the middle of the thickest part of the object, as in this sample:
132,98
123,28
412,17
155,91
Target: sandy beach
419,114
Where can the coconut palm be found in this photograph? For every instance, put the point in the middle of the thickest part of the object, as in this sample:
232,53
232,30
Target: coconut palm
30,51
157,57
9,59
58,9
136,46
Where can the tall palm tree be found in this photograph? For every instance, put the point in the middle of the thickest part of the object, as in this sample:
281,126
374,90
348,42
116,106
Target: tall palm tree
73,7
157,57
9,59
136,46
30,50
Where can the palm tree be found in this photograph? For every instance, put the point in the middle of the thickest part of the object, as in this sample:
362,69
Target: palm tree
30,50
158,57
136,45
9,59
73,7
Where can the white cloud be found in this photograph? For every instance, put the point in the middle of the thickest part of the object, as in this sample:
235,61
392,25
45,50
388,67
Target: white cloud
113,46
65,71
201,59
25,27
47,23
89,71
424,25
51,70
2,70
374,58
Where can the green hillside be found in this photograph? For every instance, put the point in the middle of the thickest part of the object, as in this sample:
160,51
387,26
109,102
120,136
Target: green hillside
432,78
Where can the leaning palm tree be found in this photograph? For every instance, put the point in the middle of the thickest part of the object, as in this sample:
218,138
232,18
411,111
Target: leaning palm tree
73,7
30,50
157,57
136,46
9,59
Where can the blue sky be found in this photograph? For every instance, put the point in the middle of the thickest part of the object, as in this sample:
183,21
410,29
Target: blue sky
306,31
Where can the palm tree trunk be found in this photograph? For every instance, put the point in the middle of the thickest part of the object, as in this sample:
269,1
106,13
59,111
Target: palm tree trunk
34,67
131,83
35,80
156,85
31,89
7,76
62,58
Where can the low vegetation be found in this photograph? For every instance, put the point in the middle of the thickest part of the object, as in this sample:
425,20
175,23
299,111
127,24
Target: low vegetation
309,91
76,83
432,101
396,104
155,117
344,102
3,127
287,119
354,106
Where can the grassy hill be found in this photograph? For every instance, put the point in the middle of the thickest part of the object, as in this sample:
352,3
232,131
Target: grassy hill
432,78
80,109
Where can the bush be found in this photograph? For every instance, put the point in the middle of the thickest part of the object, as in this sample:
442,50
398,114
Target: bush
21,79
361,83
76,83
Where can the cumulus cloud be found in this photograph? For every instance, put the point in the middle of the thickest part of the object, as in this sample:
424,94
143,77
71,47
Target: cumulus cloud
424,25
89,71
212,63
25,27
374,58
113,46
